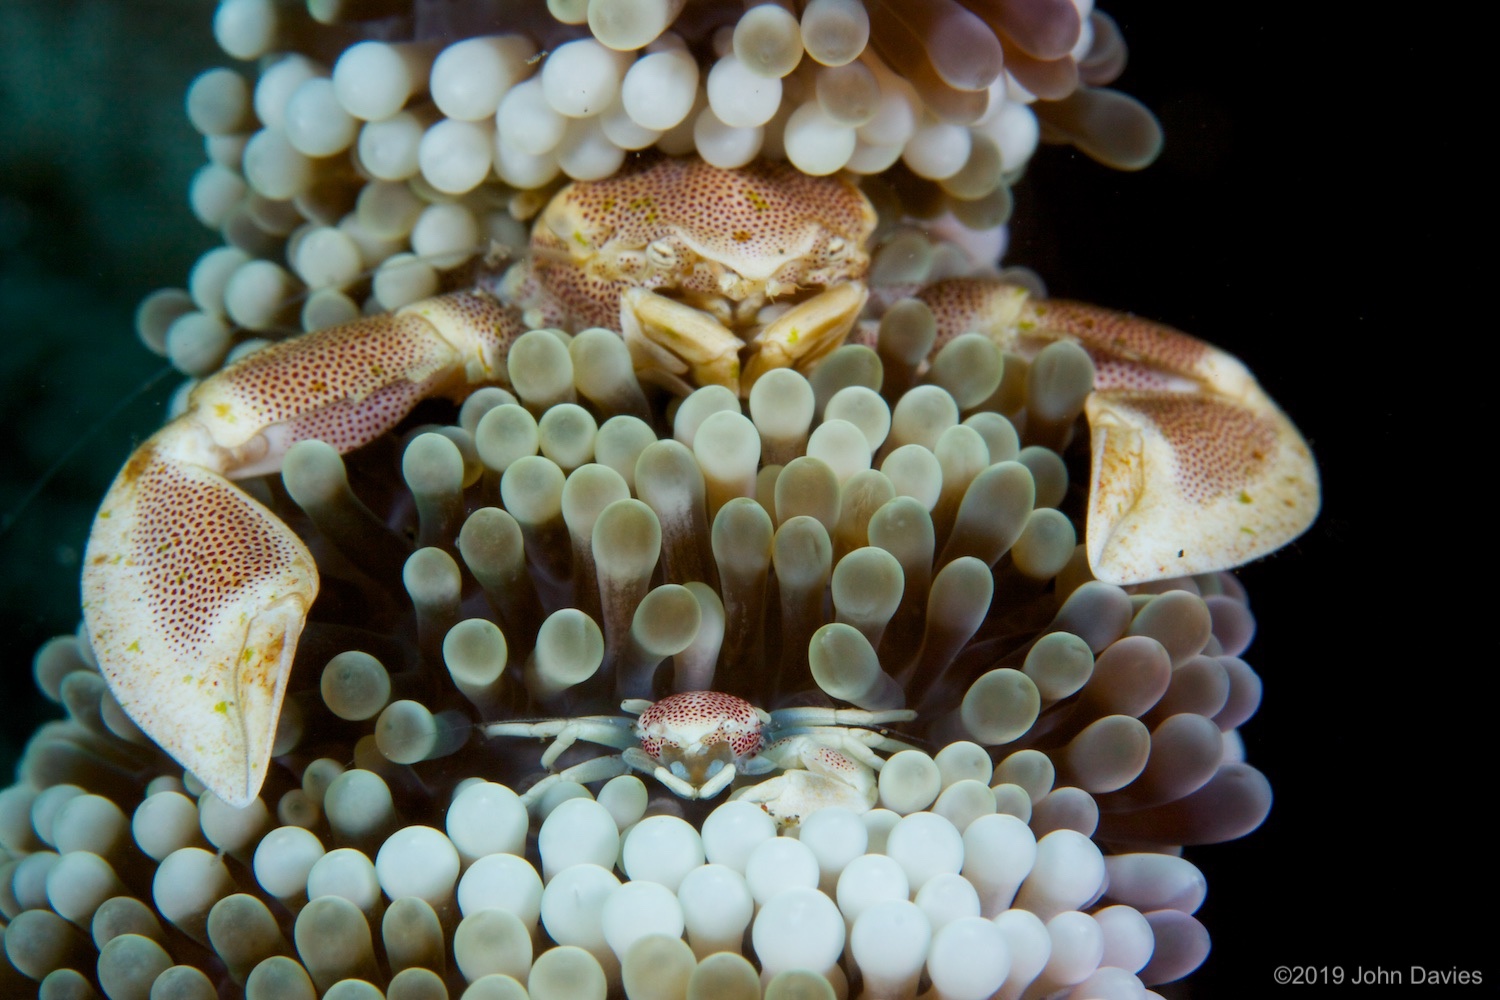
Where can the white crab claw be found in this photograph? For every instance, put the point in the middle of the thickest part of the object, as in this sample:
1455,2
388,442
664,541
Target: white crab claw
1194,468
1191,484
195,594
195,597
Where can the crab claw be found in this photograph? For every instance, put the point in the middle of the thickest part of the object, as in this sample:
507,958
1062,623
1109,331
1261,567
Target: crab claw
807,332
194,594
1194,468
673,339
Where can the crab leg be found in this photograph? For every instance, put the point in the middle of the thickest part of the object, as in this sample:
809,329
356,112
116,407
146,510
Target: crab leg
194,594
605,730
1194,468
597,769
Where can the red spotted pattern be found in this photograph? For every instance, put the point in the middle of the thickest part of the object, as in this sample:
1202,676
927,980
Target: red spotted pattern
757,212
475,323
576,298
198,544
1120,337
346,385
706,717
966,305
1118,373
764,221
1128,352
1219,446
832,760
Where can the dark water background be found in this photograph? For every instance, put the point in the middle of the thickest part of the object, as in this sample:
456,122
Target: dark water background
1297,217
94,166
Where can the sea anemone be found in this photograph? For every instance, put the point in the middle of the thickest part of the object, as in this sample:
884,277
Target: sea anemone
1074,735
880,531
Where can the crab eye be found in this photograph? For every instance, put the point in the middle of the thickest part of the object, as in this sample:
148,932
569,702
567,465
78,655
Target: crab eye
661,253
837,248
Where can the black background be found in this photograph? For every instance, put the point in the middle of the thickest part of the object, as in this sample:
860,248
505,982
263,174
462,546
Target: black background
1316,211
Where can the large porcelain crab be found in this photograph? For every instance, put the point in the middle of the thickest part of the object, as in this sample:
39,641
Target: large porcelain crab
195,594
696,266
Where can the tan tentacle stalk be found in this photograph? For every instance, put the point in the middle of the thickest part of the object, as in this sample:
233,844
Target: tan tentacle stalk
194,594
1194,468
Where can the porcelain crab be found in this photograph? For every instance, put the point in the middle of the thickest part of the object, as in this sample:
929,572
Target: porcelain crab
195,595
696,266
697,742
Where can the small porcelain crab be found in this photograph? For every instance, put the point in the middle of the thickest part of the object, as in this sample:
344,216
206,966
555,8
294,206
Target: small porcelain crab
697,742
697,266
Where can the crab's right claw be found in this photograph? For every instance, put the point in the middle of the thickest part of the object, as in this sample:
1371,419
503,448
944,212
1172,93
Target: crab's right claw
194,596
1194,468
1184,484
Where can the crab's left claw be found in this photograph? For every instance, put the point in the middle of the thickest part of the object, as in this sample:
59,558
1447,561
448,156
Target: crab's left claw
807,332
1194,468
195,596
